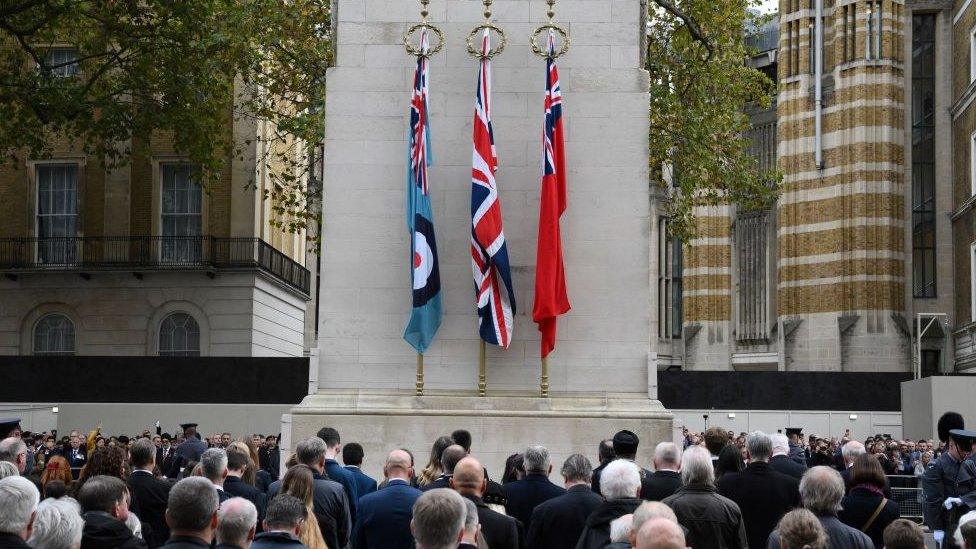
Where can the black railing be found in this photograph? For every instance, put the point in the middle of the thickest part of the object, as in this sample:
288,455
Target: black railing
149,253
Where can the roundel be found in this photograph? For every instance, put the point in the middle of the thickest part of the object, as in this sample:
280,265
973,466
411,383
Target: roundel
423,261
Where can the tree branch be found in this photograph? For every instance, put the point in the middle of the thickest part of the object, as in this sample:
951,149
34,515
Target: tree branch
693,27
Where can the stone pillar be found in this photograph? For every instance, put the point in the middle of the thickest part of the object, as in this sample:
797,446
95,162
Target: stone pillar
599,370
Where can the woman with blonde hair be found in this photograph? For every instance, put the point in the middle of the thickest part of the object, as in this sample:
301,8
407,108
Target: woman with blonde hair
800,529
254,475
434,468
57,468
299,482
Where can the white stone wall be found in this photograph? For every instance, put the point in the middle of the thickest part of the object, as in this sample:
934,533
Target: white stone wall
604,341
873,344
116,314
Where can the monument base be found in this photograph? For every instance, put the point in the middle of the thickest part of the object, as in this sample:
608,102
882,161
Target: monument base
500,425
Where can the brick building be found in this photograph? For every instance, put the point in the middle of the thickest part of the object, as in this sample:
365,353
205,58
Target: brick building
872,235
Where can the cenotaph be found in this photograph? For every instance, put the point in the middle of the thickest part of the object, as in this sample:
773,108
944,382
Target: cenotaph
602,374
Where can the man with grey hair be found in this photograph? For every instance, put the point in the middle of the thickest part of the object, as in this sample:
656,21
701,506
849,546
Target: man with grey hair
282,523
213,465
149,491
558,523
57,525
438,519
471,535
849,453
14,450
534,488
647,511
105,507
711,519
18,502
237,521
191,513
665,480
763,494
660,533
620,531
620,483
781,460
822,490
329,501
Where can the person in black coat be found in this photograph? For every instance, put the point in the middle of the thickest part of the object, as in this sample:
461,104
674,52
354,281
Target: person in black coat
665,480
606,455
105,507
781,460
865,506
621,485
763,494
500,531
150,491
192,501
234,486
535,488
558,522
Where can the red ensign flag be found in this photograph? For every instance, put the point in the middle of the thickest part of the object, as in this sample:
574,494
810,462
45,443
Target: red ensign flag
550,280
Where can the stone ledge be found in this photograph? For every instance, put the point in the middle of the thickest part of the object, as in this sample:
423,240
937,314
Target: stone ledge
359,402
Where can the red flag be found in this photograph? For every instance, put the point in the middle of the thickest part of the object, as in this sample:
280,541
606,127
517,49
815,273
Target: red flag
550,280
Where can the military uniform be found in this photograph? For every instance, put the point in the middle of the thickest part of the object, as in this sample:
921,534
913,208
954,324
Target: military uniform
189,450
949,478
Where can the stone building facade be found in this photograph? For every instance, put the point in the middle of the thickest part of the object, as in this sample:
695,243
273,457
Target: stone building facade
868,233
142,260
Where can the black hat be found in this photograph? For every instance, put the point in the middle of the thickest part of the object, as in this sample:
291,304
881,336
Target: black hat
790,431
165,436
948,422
625,443
963,438
8,425
186,426
123,439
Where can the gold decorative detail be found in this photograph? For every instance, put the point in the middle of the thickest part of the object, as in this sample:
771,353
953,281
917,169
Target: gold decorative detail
489,26
543,51
417,50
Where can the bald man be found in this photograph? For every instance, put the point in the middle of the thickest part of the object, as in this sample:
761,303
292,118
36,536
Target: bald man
383,517
500,531
660,533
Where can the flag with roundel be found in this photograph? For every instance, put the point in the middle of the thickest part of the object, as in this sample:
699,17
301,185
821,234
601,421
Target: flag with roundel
425,318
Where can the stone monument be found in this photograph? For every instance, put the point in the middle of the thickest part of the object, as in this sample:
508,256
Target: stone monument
603,371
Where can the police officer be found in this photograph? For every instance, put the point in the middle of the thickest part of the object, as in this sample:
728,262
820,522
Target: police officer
949,485
797,454
189,450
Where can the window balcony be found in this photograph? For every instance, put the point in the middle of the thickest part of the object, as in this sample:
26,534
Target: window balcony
149,253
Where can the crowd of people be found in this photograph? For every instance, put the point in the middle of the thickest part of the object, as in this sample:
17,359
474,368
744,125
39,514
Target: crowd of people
718,491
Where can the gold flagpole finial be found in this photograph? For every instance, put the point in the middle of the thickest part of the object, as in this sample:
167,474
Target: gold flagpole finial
487,4
419,50
487,26
551,14
551,26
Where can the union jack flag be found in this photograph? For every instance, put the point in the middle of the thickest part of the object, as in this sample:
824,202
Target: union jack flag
489,254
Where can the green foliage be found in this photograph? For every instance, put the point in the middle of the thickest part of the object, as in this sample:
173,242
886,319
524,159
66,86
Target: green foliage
171,67
700,86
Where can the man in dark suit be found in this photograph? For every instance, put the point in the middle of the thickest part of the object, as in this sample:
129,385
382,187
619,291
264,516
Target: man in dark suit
383,520
558,523
523,495
237,524
500,531
105,507
149,491
165,453
329,501
235,487
352,457
849,453
665,480
763,494
192,502
449,458
605,455
781,458
336,472
625,445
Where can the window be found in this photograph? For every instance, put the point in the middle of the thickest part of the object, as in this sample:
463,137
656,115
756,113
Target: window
872,46
57,213
812,46
179,335
54,334
182,214
751,254
923,156
62,62
669,285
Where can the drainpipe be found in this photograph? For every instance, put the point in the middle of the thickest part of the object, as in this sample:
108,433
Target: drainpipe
818,82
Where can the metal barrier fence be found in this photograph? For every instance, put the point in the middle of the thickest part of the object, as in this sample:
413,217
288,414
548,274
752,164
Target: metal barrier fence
906,491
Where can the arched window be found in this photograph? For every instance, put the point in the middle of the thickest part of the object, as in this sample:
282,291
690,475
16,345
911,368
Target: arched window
179,335
54,334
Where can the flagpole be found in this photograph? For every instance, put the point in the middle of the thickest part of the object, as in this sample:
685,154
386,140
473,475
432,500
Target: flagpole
420,374
482,372
544,381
